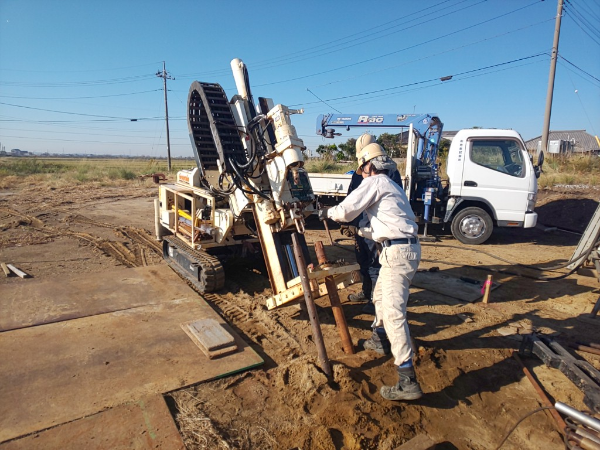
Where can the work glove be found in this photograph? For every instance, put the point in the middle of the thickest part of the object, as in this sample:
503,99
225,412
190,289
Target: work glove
348,230
322,214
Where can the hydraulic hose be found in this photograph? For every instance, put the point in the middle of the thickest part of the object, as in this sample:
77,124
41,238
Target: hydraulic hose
583,257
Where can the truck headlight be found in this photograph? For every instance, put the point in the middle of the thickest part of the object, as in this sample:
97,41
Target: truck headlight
531,199
450,204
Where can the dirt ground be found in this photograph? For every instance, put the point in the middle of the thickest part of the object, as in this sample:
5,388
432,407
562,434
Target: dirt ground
474,390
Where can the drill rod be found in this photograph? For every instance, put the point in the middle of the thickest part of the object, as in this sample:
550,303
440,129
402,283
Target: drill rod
328,232
312,309
560,423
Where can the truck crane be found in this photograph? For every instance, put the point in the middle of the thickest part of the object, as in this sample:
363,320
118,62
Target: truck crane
491,179
247,194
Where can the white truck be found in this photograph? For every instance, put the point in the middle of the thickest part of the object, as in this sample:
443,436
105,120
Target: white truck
491,178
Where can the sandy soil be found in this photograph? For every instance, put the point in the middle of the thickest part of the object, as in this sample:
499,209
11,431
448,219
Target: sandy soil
475,391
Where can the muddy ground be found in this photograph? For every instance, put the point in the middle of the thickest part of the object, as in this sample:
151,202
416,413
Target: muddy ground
474,390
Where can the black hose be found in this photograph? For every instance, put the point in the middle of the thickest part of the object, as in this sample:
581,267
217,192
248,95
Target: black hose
530,413
247,183
541,269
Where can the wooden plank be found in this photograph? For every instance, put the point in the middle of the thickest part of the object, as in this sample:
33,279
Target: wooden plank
5,269
17,271
342,281
41,302
146,424
210,337
60,372
321,274
449,285
419,442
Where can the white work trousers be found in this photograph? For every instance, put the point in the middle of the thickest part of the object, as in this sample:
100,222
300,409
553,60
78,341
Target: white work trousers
399,264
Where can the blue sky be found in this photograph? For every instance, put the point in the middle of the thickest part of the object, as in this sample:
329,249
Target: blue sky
74,73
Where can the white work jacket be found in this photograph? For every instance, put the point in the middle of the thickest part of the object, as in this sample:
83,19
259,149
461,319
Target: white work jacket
386,206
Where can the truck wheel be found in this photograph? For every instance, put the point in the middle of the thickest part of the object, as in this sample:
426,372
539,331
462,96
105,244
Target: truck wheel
472,226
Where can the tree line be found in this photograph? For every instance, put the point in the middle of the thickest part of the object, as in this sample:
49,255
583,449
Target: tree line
394,144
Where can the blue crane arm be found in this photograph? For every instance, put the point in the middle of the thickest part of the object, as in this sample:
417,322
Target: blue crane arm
428,127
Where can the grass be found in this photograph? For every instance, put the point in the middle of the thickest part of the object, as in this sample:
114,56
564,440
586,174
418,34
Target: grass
574,170
581,170
62,171
323,165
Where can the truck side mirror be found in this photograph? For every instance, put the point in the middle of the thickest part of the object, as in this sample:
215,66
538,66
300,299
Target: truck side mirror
540,162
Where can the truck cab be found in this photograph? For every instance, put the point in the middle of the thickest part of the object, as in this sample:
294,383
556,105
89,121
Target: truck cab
492,182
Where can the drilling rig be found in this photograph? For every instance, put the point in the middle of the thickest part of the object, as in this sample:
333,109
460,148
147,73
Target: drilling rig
246,196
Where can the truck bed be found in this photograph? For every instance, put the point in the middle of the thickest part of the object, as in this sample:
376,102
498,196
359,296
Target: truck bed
330,184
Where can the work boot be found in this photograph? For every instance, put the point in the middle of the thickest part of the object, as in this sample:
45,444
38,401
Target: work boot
407,387
358,297
378,342
369,308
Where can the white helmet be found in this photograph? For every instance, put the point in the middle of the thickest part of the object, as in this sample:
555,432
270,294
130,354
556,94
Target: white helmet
367,153
363,140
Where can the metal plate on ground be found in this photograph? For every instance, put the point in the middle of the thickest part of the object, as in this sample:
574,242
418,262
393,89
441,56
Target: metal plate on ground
56,373
449,285
36,302
143,425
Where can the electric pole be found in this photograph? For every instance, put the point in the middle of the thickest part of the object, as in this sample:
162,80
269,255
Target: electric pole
546,130
165,76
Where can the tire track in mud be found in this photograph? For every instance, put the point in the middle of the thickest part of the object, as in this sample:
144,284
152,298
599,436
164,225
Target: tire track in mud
135,257
258,325
243,312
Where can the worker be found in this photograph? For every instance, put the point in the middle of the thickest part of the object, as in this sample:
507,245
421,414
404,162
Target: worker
365,249
392,226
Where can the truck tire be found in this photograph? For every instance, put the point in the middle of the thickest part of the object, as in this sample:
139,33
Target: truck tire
472,226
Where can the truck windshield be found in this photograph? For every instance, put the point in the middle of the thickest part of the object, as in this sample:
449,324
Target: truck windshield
500,155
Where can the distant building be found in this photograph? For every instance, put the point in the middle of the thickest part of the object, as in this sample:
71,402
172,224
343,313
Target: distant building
17,152
567,142
449,135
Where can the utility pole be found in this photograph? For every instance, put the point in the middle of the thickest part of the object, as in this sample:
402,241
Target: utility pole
165,76
546,130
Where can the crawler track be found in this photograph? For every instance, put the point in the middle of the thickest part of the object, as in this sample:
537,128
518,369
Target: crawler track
212,275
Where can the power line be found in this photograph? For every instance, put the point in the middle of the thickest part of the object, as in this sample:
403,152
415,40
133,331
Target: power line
578,68
374,98
80,97
345,41
582,17
582,107
79,140
432,79
78,114
130,79
260,65
323,101
581,22
445,51
589,11
578,73
398,51
86,133
81,71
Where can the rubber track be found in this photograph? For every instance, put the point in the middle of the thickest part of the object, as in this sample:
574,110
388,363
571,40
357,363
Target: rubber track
212,273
